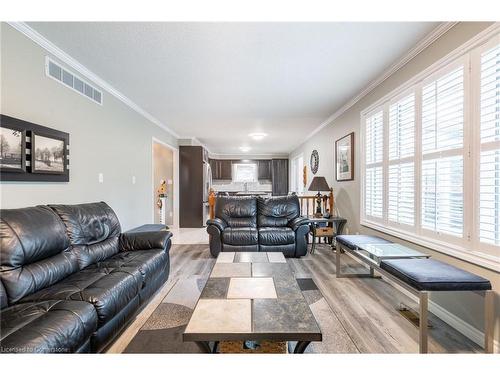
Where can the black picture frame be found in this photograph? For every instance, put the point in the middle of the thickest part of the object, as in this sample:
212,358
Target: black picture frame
345,175
34,169
19,129
29,175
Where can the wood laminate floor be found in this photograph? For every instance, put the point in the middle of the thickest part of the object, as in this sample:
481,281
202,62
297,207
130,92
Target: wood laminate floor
362,312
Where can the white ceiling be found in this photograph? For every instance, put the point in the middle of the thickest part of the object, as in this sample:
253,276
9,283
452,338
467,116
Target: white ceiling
219,82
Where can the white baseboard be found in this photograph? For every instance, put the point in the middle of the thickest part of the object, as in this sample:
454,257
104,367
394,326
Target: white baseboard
452,320
461,326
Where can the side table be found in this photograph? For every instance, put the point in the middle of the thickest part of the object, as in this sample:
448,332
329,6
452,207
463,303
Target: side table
330,232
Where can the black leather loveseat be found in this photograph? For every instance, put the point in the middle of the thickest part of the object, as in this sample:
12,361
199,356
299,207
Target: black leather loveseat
258,224
70,280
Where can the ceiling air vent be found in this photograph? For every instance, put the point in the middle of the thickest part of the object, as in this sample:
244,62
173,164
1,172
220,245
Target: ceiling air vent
57,72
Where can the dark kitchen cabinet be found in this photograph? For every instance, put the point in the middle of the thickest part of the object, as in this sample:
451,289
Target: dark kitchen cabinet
279,171
264,170
221,169
226,172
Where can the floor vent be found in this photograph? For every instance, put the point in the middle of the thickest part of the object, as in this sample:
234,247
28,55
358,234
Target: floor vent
57,72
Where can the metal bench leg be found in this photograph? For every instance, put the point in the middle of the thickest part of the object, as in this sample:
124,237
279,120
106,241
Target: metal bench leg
488,321
338,272
422,331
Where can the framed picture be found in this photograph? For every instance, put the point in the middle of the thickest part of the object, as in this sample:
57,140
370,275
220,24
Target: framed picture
48,153
12,149
344,158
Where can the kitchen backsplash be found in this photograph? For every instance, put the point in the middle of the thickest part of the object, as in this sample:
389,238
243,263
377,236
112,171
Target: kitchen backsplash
239,186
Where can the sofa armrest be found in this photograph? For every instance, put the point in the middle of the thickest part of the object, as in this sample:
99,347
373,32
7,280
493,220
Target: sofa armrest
130,241
297,222
219,223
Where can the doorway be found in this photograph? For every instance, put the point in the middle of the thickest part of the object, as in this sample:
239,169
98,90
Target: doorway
164,161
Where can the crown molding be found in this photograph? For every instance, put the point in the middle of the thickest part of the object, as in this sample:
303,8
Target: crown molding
419,47
50,47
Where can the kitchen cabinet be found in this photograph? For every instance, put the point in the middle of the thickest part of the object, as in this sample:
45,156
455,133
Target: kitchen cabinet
264,170
222,169
279,171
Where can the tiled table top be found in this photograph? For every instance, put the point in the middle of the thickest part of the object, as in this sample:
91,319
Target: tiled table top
252,296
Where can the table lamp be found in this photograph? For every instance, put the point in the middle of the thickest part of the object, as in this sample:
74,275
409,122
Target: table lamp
318,184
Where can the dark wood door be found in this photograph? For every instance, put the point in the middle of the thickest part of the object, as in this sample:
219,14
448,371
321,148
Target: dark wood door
279,170
264,169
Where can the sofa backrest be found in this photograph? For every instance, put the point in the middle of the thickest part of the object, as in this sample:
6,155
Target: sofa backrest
237,211
93,229
277,211
35,251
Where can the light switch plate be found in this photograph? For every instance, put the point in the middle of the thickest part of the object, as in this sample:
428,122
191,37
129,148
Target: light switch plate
133,180
101,178
169,182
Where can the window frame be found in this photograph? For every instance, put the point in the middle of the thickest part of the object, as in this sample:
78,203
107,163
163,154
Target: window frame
235,167
467,247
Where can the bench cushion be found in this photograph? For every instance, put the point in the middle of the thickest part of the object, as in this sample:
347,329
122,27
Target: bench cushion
433,275
355,241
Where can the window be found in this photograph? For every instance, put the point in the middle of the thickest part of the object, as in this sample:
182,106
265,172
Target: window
442,153
245,172
374,197
401,181
297,171
432,157
489,170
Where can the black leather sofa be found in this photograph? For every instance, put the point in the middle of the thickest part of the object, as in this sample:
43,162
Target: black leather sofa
70,280
258,224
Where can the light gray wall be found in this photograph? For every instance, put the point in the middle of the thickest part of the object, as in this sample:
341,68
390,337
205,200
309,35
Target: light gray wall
111,139
466,306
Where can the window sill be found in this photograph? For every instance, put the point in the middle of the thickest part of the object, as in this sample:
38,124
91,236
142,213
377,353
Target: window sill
474,257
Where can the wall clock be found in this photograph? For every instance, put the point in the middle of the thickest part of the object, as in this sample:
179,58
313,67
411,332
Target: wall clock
314,161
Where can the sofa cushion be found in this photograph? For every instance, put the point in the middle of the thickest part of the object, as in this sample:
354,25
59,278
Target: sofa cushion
355,241
240,236
35,251
47,326
3,296
88,223
277,211
276,236
93,230
108,289
237,211
148,262
433,275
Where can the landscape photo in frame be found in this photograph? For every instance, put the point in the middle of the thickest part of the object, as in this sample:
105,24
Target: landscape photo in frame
49,154
344,158
12,150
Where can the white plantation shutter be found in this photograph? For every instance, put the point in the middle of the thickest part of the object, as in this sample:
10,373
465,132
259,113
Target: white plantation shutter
442,154
374,181
489,165
401,179
432,157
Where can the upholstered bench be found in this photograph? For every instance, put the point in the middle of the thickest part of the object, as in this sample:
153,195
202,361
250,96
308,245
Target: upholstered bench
433,275
416,273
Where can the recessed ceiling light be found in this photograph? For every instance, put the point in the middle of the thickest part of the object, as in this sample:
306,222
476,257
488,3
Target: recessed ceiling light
245,148
258,136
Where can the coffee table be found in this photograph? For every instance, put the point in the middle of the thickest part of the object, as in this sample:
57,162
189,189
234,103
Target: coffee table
251,296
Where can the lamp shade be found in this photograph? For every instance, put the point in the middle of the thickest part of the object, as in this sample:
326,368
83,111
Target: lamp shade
319,184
